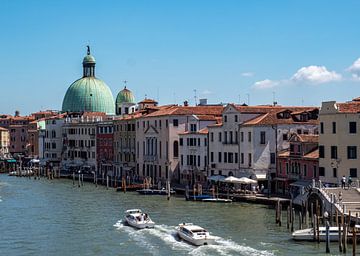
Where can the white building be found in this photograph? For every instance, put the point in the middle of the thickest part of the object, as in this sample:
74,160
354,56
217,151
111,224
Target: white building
244,144
157,138
194,150
262,137
80,143
339,140
51,141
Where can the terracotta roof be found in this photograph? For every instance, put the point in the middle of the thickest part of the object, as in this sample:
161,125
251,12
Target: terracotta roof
206,117
314,138
215,125
188,110
271,117
349,107
144,101
284,153
202,131
313,155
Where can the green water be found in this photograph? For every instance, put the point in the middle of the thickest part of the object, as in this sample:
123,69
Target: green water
43,217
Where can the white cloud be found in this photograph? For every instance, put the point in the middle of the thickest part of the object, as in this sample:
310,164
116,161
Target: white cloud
248,74
206,92
265,84
354,69
315,75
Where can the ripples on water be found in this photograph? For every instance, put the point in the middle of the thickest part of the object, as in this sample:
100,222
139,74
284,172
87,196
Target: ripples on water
53,217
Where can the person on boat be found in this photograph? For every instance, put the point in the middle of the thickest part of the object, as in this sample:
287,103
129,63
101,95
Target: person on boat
349,181
142,217
343,182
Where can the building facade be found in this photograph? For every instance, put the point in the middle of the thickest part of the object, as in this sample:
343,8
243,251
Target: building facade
299,162
339,141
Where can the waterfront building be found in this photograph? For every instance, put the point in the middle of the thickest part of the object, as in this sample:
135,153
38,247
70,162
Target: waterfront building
297,164
193,146
105,148
224,137
339,140
4,148
89,94
24,132
51,139
79,141
265,135
125,144
157,137
125,102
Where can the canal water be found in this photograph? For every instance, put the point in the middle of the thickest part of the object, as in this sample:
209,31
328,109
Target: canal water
53,217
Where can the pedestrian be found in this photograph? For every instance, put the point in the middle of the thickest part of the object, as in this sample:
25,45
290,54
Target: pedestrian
340,197
343,182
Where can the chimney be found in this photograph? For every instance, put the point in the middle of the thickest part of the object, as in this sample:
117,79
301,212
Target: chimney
186,103
203,102
17,113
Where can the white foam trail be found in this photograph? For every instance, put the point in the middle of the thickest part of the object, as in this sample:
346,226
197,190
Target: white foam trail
137,236
168,235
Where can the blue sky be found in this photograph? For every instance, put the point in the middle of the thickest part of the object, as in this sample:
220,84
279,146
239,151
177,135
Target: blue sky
303,51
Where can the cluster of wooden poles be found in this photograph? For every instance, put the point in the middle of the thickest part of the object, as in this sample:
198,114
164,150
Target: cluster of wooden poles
45,172
344,223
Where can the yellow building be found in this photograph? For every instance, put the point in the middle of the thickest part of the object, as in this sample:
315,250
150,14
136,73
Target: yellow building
339,141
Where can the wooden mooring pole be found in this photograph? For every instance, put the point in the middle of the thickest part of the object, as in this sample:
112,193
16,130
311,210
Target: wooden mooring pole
288,217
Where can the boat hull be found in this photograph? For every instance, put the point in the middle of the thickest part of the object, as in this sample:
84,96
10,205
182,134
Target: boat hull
198,241
140,224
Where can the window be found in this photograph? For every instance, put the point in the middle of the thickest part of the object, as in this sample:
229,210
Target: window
175,122
321,171
225,157
231,137
315,171
219,157
242,136
334,172
352,127
351,152
225,119
236,158
176,148
211,136
262,137
242,158
333,127
305,170
166,123
211,156
272,158
220,136
333,152
198,162
249,159
353,172
193,127
298,131
321,127
236,118
181,141
321,151
225,137
285,136
249,136
230,157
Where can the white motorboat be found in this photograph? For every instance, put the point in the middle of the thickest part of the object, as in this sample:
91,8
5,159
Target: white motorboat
194,234
217,200
136,218
308,234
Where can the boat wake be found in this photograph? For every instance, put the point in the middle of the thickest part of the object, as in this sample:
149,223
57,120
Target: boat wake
167,235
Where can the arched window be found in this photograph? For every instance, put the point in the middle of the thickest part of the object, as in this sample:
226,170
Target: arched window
176,148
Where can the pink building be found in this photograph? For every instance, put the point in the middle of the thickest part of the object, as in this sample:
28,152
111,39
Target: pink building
298,163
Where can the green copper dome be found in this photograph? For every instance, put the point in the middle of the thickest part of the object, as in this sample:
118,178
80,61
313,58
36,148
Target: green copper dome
89,93
125,96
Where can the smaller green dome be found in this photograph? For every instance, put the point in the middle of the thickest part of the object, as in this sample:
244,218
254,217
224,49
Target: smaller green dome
125,96
88,59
